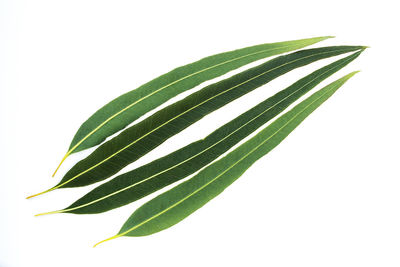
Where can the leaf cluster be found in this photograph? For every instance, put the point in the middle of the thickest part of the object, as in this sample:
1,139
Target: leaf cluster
215,174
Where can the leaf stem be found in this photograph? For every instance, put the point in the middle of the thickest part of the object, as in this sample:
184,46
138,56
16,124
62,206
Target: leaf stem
50,212
38,194
59,165
110,238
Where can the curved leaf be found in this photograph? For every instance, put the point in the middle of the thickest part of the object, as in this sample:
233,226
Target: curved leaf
141,138
151,177
128,107
176,204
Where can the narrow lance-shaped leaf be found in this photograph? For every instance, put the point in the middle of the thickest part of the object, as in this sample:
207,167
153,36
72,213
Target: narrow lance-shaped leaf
141,138
176,204
128,107
153,176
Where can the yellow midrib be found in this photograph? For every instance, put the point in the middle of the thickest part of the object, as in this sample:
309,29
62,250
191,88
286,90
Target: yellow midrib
166,86
214,179
203,151
122,149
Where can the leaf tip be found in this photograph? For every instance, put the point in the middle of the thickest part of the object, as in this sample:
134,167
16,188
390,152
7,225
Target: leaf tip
322,38
351,74
354,72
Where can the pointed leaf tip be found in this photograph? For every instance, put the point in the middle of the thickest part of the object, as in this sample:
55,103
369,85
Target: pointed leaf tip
351,74
323,38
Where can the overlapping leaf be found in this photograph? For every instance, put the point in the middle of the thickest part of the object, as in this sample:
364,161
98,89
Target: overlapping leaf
141,138
176,204
125,109
151,177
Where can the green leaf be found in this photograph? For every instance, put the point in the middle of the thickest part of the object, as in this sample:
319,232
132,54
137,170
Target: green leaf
176,204
151,177
141,138
128,107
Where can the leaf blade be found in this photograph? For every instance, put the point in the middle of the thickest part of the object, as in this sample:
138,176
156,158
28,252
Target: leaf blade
177,165
141,138
173,206
94,130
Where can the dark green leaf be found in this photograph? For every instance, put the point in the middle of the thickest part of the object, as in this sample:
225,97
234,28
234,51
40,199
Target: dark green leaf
141,138
151,177
125,109
176,204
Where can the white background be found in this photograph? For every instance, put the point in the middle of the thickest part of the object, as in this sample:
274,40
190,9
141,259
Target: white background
327,196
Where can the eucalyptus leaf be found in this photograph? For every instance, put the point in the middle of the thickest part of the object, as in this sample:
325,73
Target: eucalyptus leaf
153,176
176,204
128,107
141,138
